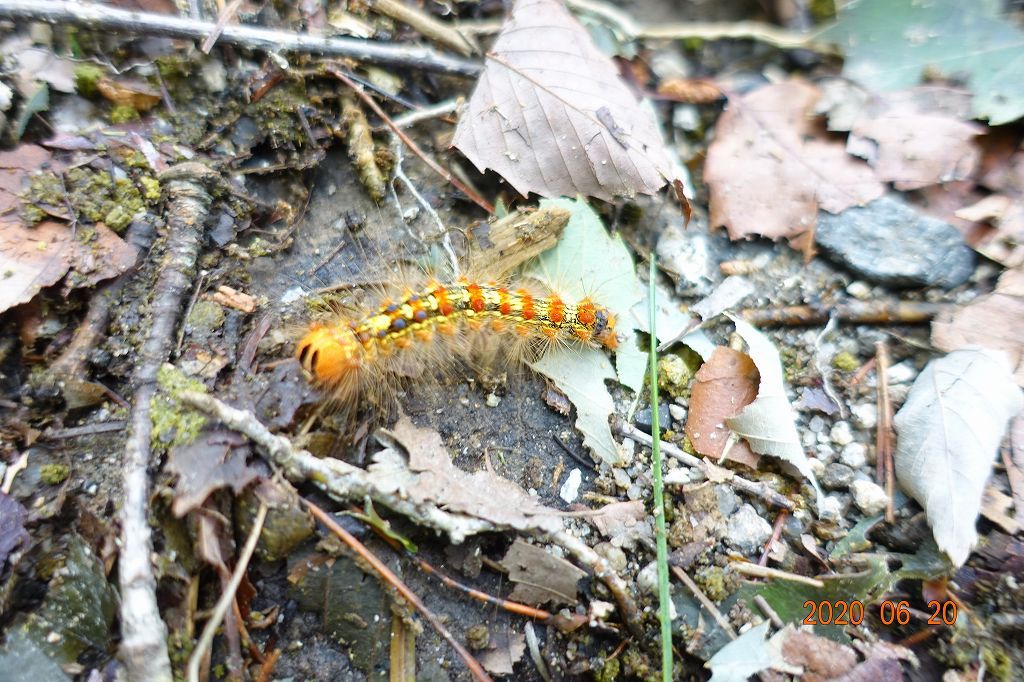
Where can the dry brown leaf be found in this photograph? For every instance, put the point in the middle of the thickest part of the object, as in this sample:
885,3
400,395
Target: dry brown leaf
622,523
822,659
217,459
993,321
431,478
772,166
724,385
505,650
551,115
913,145
540,577
1004,244
15,167
132,93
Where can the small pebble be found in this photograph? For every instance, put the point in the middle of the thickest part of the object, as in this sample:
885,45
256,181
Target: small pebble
902,373
854,455
615,557
747,531
635,492
865,415
622,479
678,412
817,467
841,434
492,400
570,490
816,424
859,290
831,508
643,419
837,476
869,497
647,578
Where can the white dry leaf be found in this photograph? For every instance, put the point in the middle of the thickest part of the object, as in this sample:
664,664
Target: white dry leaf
580,374
769,423
551,115
747,655
949,431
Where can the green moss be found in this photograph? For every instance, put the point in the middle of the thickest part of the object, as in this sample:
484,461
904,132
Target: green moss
206,316
122,113
54,474
86,77
712,580
609,671
997,663
845,361
174,424
150,188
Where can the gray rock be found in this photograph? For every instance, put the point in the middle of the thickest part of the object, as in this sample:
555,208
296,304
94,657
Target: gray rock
747,531
643,419
854,455
889,242
840,434
869,497
837,476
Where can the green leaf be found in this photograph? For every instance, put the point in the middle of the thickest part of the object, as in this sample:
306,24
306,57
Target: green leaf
892,44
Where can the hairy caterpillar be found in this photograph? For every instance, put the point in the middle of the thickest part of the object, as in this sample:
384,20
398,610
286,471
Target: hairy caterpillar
427,325
351,356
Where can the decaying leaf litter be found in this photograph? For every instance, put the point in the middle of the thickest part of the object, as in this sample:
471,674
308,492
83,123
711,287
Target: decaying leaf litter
274,190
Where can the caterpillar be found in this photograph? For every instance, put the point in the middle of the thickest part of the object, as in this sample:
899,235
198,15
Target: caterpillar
352,356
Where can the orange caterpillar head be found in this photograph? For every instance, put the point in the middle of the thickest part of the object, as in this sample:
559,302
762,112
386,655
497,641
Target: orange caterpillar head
331,354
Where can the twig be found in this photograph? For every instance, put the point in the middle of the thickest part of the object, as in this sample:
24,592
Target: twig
388,576
70,368
704,601
755,571
84,430
415,148
780,520
143,634
768,611
535,655
709,470
448,106
429,27
855,312
105,18
227,598
883,432
344,482
226,15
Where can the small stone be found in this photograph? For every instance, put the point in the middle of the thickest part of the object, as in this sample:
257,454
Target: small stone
728,500
889,242
869,497
627,451
622,479
837,476
680,476
854,455
635,492
841,434
478,637
644,417
865,415
817,467
647,578
859,290
571,488
678,412
214,75
831,508
747,531
615,557
492,400
902,373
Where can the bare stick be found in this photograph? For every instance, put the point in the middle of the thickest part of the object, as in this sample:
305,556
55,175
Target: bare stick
143,634
855,312
755,571
427,26
388,576
227,598
883,434
110,19
704,601
709,470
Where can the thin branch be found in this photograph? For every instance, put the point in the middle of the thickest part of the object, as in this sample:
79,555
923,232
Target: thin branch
105,18
143,634
755,571
883,432
388,576
853,312
708,605
708,469
227,598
